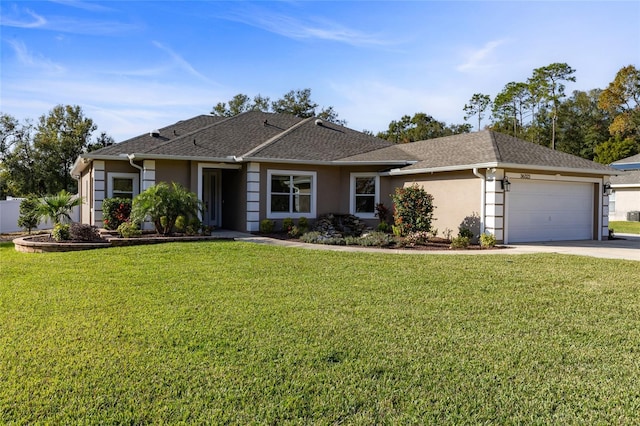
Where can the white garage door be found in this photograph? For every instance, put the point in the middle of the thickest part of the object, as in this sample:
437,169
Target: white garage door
539,210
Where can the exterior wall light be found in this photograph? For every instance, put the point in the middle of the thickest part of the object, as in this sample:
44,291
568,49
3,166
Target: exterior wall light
506,185
606,189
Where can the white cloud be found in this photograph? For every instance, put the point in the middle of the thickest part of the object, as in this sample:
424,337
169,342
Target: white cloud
479,58
181,63
14,18
294,28
32,61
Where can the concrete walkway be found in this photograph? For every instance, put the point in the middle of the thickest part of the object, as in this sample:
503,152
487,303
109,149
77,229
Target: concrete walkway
627,247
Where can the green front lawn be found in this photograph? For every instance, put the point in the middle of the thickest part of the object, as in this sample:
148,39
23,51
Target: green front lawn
623,227
236,333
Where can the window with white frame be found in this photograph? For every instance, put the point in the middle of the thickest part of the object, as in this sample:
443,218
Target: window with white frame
612,202
364,194
123,185
291,194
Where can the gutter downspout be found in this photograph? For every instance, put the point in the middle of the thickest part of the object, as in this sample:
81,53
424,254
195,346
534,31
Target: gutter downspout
482,198
131,157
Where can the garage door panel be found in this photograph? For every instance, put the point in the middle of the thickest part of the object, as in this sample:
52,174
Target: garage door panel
550,211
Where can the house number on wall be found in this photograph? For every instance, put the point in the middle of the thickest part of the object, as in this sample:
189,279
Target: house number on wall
525,176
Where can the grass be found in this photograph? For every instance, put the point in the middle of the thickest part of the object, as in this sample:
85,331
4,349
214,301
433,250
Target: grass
235,333
624,227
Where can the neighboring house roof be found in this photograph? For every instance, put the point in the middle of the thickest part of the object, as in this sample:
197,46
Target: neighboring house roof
629,163
485,149
626,179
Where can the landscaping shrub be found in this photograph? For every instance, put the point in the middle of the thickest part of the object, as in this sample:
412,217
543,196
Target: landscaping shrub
129,230
315,237
163,203
58,207
287,224
460,242
84,232
375,239
303,225
465,232
61,232
413,210
266,226
115,211
383,227
294,232
29,217
383,213
487,240
180,224
339,225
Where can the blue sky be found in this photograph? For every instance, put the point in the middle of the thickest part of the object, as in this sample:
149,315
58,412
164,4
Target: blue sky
136,66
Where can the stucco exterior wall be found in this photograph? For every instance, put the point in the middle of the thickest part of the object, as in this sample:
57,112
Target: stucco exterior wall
174,171
626,200
456,197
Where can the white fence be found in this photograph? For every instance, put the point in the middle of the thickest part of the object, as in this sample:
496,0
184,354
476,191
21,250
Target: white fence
10,212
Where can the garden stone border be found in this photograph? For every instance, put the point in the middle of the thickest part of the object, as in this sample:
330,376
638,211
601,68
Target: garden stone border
26,245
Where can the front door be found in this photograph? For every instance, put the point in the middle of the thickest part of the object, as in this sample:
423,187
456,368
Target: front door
211,197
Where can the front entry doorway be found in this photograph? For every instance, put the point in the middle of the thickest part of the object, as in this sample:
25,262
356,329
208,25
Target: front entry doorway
211,197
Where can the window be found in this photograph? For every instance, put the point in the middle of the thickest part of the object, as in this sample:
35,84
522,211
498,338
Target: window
365,194
291,194
123,185
612,202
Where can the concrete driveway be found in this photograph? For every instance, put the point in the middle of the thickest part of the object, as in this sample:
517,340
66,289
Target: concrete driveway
625,246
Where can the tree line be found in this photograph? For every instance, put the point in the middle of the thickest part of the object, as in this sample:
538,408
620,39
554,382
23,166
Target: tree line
600,124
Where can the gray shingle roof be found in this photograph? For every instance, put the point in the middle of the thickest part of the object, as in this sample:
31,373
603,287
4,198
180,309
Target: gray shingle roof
257,135
631,177
146,142
480,148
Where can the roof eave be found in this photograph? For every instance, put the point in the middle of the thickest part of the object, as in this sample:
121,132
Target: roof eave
397,172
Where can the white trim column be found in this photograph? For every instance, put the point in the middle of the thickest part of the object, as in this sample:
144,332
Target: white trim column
98,185
148,174
604,229
253,197
494,204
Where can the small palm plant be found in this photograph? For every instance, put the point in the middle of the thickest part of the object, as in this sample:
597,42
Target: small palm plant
58,207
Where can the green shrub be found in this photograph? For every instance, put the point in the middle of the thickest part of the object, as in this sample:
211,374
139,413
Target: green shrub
84,232
460,242
129,230
375,239
465,232
413,210
266,226
487,240
315,237
303,225
383,227
287,224
115,211
29,217
294,232
61,232
180,224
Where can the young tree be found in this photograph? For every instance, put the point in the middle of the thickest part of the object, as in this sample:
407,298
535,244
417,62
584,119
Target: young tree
61,135
29,216
477,106
163,203
58,207
546,83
